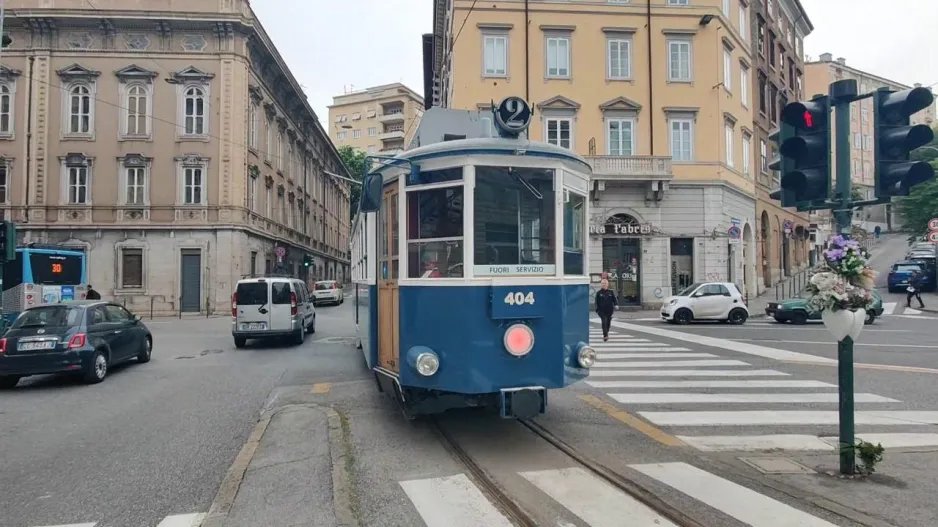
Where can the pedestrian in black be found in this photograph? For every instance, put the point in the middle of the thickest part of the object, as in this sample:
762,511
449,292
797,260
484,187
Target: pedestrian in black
606,304
915,289
92,294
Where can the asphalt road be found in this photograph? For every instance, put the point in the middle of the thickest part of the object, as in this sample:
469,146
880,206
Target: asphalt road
155,439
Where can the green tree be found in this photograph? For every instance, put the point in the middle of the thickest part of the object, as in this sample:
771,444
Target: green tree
354,160
921,204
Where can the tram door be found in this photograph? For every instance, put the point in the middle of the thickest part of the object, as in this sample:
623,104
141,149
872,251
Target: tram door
388,293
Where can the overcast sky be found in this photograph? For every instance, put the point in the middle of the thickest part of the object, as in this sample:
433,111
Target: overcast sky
335,46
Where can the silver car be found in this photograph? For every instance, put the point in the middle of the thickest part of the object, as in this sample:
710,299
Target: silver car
271,307
328,292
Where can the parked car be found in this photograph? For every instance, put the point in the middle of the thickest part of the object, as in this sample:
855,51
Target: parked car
706,301
796,311
898,278
82,337
328,291
271,307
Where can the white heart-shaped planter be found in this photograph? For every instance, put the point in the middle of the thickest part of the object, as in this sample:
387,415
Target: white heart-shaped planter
843,323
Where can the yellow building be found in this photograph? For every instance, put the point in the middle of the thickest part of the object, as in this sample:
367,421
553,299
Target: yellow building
376,120
818,76
659,98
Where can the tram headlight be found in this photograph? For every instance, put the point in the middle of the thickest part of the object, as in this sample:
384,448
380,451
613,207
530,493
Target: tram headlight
586,356
427,364
519,340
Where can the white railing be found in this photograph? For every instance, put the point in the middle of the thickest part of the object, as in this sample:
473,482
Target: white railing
630,167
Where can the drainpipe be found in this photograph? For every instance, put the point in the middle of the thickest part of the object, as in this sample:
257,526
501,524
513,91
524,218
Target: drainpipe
29,136
527,50
651,90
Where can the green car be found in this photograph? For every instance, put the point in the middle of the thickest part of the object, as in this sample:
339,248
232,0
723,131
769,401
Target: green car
795,310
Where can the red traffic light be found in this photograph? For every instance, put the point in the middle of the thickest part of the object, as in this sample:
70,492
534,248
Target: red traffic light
807,115
808,120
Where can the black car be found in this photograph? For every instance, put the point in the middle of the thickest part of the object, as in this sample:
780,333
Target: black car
82,337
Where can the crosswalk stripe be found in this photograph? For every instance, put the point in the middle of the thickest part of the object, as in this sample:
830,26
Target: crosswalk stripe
687,373
893,439
745,505
602,350
910,311
611,343
787,417
605,356
710,384
754,443
627,345
670,364
182,520
72,525
452,501
594,501
774,398
889,307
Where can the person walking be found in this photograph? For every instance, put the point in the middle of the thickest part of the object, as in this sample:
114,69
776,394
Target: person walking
915,289
92,294
606,303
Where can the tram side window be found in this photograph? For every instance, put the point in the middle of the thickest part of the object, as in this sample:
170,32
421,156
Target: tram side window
435,233
574,234
514,216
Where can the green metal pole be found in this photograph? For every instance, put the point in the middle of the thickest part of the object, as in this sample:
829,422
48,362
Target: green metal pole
843,216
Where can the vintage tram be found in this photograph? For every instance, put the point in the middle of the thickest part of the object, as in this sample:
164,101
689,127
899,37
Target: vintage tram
470,264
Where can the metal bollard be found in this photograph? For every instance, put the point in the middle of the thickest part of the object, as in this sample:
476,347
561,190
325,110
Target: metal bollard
151,308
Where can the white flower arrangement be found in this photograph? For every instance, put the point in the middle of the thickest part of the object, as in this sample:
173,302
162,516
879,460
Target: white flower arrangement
844,281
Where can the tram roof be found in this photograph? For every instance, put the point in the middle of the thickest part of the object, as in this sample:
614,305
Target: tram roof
488,146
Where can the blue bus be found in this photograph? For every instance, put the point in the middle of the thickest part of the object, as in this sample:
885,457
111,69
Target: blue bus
43,276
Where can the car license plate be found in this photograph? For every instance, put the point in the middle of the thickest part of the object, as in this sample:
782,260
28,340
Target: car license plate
31,346
256,326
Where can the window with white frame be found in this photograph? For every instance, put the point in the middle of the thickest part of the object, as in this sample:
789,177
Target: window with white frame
619,58
682,139
80,109
270,139
856,141
727,69
747,154
5,181
495,55
726,8
679,57
763,157
136,107
6,109
373,131
194,111
135,185
559,131
77,184
193,184
743,20
280,151
252,193
356,134
341,135
620,136
677,2
744,85
131,268
269,203
856,167
730,139
252,125
558,57
864,114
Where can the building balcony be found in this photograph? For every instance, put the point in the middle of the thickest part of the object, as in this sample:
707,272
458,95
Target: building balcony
391,151
392,135
391,118
630,168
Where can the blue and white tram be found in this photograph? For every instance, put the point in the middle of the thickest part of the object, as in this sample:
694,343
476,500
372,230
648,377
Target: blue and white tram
471,269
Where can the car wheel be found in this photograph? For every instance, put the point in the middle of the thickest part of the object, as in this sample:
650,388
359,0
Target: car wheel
683,316
99,368
240,342
147,351
780,321
870,317
738,317
799,317
299,336
311,328
8,382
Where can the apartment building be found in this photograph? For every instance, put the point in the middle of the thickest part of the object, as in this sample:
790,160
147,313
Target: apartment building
174,146
778,29
377,120
818,76
657,98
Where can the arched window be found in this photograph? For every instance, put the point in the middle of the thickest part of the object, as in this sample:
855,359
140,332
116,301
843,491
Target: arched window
195,111
136,105
79,109
6,109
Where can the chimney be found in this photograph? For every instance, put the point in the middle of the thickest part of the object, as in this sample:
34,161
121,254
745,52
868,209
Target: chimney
826,57
842,61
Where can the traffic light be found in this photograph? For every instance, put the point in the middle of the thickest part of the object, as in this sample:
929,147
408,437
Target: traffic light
7,241
804,162
894,139
307,260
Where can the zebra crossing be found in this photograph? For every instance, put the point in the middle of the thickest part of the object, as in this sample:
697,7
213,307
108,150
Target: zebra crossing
691,393
175,520
455,501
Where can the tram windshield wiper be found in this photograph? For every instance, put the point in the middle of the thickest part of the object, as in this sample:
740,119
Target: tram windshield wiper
527,185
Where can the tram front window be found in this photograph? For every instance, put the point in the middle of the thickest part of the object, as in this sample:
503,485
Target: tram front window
435,233
514,221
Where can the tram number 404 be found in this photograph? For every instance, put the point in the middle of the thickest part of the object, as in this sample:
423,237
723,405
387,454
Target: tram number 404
519,298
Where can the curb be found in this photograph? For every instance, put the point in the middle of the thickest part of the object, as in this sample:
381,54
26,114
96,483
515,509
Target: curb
341,486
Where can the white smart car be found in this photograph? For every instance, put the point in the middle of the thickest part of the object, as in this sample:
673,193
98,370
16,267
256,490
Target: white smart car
706,301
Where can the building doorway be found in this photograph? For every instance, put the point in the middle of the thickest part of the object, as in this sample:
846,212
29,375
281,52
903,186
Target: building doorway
682,264
621,262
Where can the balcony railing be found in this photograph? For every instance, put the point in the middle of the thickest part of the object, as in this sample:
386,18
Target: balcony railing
630,167
391,134
391,117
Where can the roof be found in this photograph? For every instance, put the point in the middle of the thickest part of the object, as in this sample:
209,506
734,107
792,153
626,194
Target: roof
75,303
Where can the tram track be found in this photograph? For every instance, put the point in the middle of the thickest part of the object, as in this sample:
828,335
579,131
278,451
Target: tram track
517,513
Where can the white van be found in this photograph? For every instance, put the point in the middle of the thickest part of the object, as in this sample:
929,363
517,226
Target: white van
271,307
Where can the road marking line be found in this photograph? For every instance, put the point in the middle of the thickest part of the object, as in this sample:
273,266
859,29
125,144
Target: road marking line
623,341
593,500
643,348
787,417
910,311
74,525
741,347
710,398
182,520
756,443
882,367
747,506
710,384
321,387
892,440
687,373
624,417
889,307
668,355
670,364
452,501
828,342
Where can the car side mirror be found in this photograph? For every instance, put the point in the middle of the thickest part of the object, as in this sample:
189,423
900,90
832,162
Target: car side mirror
372,188
137,318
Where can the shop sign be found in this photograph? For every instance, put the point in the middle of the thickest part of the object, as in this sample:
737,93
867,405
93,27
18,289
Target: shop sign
621,229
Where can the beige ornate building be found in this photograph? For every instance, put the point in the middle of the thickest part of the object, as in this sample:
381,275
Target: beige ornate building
175,147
